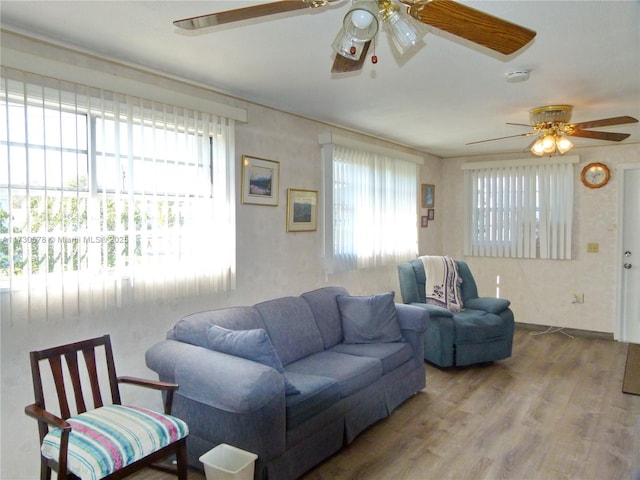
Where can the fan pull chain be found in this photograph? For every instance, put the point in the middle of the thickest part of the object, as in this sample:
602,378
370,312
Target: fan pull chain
374,57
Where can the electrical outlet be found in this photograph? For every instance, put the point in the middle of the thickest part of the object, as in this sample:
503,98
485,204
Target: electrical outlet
578,298
593,247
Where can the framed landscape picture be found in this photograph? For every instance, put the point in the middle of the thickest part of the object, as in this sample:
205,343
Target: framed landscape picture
428,195
302,210
260,181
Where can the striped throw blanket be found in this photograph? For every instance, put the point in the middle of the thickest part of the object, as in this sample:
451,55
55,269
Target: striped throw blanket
442,287
109,438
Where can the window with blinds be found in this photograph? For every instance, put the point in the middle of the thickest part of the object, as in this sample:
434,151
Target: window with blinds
519,209
111,191
371,209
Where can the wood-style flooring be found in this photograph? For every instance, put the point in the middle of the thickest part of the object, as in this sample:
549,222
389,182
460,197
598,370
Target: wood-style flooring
554,410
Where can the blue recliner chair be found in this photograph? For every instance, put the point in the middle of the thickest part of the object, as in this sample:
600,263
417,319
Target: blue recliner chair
481,332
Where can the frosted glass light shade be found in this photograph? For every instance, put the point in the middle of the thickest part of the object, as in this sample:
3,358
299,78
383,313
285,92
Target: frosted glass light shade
563,144
538,148
402,33
346,46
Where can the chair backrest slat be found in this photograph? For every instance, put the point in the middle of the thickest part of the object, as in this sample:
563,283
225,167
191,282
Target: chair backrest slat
90,360
113,377
74,375
58,378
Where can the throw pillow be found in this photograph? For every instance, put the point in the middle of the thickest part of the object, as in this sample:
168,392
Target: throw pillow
369,319
250,344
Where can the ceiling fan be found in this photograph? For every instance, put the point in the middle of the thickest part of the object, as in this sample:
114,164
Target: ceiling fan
551,126
362,21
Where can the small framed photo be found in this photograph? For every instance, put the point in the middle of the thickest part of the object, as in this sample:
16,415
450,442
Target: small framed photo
428,195
260,181
431,213
424,221
302,210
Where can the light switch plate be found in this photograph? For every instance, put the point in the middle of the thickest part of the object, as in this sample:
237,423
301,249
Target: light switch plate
593,247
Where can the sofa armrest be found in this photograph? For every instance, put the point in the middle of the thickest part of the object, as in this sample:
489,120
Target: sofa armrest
411,318
434,310
413,322
225,399
488,304
226,382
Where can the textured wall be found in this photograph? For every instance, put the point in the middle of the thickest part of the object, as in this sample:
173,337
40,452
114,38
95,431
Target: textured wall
541,290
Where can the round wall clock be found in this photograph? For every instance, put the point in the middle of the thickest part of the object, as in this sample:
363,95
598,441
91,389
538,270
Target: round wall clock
595,175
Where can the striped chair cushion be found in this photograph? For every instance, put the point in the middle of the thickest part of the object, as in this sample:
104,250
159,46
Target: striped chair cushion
109,438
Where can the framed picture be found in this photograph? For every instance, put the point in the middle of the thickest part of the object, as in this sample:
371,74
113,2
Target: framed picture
260,181
431,213
302,210
428,195
424,221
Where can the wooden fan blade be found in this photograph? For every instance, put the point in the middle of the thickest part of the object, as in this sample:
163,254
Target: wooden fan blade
611,136
502,138
473,25
239,14
344,65
605,122
519,124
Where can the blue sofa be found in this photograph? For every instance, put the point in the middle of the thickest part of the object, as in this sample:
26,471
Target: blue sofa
234,391
482,332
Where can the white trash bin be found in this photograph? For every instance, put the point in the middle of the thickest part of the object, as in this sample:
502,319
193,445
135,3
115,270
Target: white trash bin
226,462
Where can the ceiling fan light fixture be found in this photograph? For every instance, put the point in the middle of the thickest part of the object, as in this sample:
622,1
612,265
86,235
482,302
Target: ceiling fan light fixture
538,147
549,143
361,21
404,35
346,46
563,144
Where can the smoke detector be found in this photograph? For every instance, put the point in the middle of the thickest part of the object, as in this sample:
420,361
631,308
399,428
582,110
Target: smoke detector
518,76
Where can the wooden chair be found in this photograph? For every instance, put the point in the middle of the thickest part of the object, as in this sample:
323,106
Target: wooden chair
109,441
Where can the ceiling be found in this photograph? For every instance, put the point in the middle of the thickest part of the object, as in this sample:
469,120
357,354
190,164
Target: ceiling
444,95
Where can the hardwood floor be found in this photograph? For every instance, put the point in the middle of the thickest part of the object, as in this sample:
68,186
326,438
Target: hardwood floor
554,410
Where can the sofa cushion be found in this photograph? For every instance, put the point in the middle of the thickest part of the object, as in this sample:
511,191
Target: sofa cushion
291,327
316,395
392,355
193,328
324,305
250,344
370,319
476,326
350,372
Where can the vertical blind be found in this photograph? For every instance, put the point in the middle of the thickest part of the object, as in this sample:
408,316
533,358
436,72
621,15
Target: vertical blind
108,200
373,211
519,209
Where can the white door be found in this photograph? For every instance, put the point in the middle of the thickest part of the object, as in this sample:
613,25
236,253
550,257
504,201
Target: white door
629,256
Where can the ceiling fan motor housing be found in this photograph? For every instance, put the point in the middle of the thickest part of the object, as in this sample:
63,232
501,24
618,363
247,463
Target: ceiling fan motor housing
550,114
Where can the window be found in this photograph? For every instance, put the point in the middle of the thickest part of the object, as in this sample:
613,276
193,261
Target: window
101,192
519,209
370,208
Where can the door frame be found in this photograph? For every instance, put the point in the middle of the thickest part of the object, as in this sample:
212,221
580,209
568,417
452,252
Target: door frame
619,323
